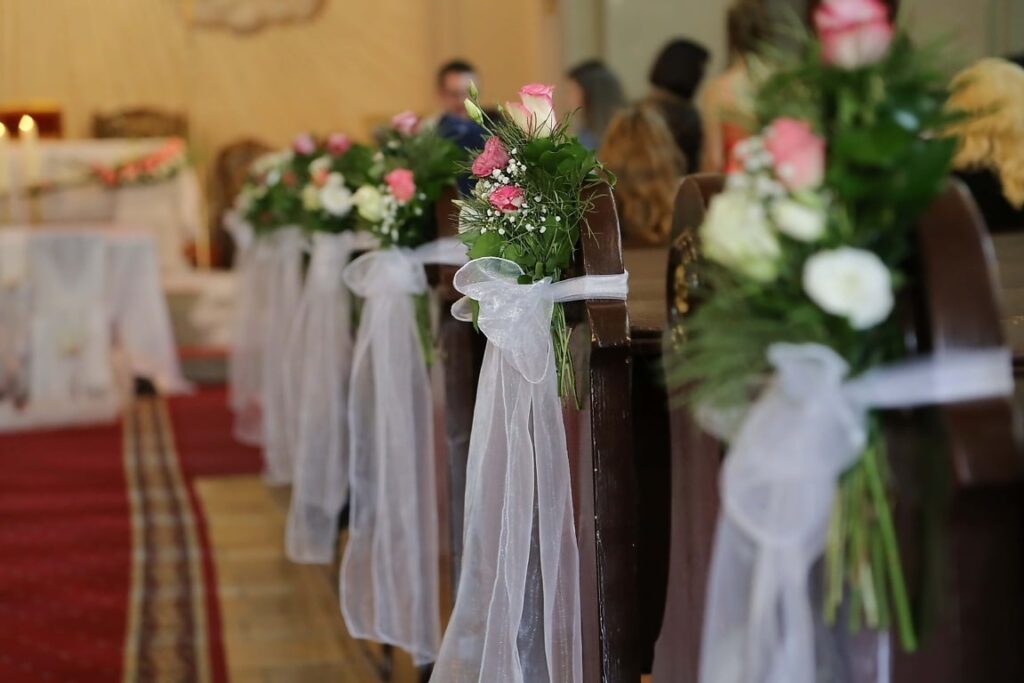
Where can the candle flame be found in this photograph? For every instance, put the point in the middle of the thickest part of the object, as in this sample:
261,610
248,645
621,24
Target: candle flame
26,123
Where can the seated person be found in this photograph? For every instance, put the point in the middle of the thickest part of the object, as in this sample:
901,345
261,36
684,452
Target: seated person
639,149
990,159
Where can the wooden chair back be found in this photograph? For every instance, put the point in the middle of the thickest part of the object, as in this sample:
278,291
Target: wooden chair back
140,122
224,182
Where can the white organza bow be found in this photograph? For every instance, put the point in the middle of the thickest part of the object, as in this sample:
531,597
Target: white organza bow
517,612
778,484
389,574
320,356
284,288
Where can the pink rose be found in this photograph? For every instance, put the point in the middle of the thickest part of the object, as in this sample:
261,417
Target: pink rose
798,155
535,113
491,159
304,144
405,123
402,184
338,143
507,198
853,33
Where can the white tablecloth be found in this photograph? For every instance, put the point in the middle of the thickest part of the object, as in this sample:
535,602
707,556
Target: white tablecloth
169,210
81,313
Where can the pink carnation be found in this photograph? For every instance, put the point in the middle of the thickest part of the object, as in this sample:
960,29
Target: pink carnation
304,144
507,198
853,33
798,155
402,184
493,157
338,143
405,123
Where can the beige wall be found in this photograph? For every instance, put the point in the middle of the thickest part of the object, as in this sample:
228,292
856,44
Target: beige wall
356,63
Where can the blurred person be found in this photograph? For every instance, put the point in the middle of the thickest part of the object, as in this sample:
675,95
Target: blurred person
675,76
453,80
725,103
596,93
639,149
990,156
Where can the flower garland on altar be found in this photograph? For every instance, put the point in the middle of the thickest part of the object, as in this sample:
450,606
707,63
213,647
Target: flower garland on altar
809,244
528,205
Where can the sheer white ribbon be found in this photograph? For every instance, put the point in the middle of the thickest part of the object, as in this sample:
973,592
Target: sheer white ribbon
245,367
778,484
320,356
517,612
389,574
284,289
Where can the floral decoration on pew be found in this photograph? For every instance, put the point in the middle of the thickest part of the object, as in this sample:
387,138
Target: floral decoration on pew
809,243
272,194
338,169
528,204
413,165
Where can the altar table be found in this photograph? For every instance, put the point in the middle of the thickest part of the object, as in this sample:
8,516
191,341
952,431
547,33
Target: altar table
81,314
169,210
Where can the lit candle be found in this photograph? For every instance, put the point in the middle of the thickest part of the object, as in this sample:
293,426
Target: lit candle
4,165
28,135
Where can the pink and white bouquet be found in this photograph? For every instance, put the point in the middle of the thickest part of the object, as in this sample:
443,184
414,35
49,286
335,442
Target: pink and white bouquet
396,200
528,204
806,250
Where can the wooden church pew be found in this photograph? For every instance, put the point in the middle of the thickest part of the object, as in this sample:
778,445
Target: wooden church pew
976,629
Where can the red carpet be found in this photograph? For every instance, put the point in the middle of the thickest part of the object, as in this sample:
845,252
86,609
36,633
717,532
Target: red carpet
104,574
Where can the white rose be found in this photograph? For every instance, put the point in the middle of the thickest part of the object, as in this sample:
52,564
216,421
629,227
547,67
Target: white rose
369,202
273,177
319,165
736,233
798,220
337,199
310,197
851,283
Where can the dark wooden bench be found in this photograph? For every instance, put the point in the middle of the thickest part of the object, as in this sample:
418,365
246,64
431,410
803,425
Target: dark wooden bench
974,630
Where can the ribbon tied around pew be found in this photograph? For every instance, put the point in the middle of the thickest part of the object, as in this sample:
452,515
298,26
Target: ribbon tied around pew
517,611
778,484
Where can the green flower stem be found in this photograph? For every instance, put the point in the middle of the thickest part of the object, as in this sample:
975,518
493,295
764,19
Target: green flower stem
901,603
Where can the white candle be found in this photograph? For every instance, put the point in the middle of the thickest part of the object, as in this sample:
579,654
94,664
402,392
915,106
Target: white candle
28,135
5,173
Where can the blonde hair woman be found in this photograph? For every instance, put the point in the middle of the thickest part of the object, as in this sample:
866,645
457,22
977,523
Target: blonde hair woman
639,149
990,158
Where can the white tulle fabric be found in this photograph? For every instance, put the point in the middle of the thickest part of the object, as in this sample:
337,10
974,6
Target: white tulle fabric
320,356
778,485
389,573
245,362
517,612
284,289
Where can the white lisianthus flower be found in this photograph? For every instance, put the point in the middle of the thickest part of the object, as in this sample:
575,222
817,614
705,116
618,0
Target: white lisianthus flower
310,197
370,203
798,220
336,199
737,234
319,166
851,283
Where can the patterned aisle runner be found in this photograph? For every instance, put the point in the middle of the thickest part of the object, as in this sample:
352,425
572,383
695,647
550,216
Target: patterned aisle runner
167,623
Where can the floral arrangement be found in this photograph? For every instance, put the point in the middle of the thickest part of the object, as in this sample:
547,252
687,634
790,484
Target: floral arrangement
337,169
528,205
413,165
270,197
809,242
162,164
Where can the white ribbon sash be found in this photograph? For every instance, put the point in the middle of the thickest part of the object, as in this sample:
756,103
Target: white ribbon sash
320,356
284,289
245,369
517,612
778,484
389,574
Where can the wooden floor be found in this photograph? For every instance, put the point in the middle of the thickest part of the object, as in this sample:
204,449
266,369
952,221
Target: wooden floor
281,621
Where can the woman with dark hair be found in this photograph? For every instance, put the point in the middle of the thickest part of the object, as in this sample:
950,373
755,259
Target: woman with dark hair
725,102
595,91
675,77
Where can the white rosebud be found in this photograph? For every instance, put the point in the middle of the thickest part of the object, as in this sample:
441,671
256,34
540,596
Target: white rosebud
798,220
336,199
850,283
310,197
736,234
370,203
